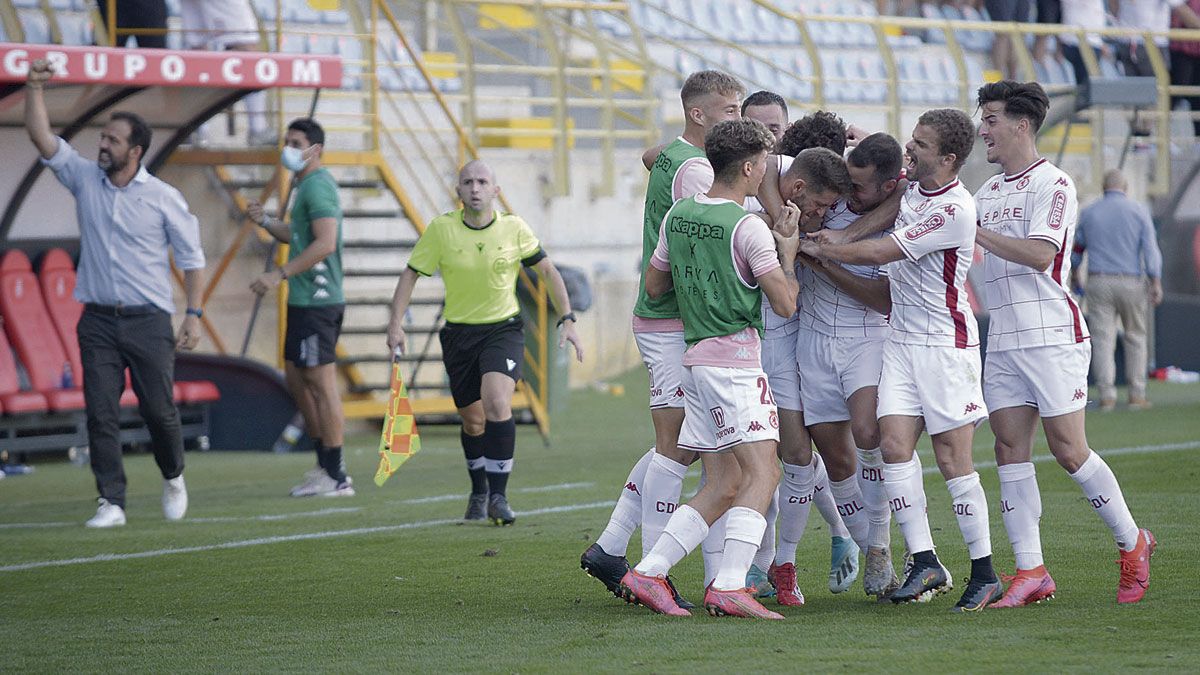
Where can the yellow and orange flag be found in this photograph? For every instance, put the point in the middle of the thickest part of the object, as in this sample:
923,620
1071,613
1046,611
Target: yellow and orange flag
400,439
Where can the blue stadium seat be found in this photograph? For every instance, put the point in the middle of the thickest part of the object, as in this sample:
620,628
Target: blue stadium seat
29,4
874,75
60,5
933,35
265,10
173,8
611,24
800,87
76,29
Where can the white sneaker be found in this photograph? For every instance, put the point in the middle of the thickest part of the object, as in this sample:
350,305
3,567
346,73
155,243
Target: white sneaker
175,499
314,479
342,489
108,515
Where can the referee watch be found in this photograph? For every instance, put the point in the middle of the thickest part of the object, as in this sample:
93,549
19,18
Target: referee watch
569,316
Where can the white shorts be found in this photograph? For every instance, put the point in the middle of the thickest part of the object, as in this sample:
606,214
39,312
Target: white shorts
726,407
218,24
1052,379
779,362
833,368
941,384
663,355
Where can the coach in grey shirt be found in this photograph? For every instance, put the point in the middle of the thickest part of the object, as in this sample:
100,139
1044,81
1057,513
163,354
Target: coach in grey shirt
1124,278
127,221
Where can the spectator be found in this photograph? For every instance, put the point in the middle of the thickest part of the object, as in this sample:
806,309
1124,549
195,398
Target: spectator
138,15
1185,63
1003,56
220,25
1048,11
1149,15
1124,276
1090,15
127,221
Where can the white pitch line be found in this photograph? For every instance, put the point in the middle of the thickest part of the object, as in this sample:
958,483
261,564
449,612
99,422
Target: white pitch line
275,516
17,526
263,541
105,557
458,495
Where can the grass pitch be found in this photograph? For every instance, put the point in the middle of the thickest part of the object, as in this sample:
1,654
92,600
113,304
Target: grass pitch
390,581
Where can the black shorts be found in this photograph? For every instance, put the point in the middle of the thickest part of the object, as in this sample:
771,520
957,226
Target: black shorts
1008,10
312,334
469,351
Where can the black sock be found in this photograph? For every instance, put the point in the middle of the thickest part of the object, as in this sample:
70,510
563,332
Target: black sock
981,569
501,441
927,558
473,451
319,448
333,463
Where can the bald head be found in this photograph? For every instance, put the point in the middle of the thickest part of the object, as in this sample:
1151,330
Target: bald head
477,187
1115,180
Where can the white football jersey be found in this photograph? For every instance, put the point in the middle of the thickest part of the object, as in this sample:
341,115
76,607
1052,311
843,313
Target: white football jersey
936,232
1028,307
826,308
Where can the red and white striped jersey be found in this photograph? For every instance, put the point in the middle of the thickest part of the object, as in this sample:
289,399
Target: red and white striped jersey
936,232
826,308
1028,307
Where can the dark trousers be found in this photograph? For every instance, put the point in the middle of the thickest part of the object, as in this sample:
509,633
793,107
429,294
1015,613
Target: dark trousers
139,14
1185,72
145,344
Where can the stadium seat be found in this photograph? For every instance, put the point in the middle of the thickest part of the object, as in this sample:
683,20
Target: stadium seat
13,401
27,4
33,334
76,29
35,26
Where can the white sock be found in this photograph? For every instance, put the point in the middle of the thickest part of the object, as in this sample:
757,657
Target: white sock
874,492
683,533
743,533
1101,489
1021,508
823,499
628,511
256,111
660,497
849,499
712,548
795,502
766,549
970,507
906,498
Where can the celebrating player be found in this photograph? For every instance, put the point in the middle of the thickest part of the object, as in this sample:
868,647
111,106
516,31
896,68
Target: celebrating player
1038,344
652,489
731,419
930,376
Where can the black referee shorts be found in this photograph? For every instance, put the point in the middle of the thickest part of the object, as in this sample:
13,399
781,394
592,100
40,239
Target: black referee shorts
470,350
312,334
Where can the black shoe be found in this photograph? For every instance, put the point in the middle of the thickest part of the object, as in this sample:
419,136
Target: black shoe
922,579
499,511
476,506
979,594
608,569
679,599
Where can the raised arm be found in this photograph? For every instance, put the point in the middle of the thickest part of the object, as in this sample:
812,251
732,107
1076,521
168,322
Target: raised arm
869,252
768,190
37,122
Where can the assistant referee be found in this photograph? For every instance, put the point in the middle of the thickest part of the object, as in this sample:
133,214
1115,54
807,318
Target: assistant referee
480,251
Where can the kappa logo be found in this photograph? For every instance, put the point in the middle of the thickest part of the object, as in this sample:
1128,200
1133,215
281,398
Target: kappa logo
1023,183
718,416
679,392
1062,181
949,209
996,187
1058,209
632,487
756,426
510,363
1079,394
971,407
934,222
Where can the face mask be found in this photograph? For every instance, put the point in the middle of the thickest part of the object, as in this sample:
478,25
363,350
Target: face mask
292,159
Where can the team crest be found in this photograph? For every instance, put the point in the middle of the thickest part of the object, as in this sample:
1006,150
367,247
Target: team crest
773,420
1023,183
718,416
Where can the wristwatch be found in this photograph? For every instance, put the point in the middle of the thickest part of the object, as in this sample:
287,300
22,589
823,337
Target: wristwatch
569,316
195,311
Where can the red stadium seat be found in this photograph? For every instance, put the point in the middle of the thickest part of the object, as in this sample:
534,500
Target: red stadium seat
34,337
13,401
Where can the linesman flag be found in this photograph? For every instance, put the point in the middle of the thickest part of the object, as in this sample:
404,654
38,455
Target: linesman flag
400,439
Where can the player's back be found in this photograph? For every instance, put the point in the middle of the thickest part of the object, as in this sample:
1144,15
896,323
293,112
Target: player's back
1029,307
826,308
936,232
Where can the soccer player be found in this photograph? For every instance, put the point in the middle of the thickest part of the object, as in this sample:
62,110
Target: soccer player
1038,344
480,251
716,256
930,376
316,303
652,489
840,354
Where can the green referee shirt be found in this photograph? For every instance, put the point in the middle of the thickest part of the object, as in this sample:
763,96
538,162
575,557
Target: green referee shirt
479,267
321,284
